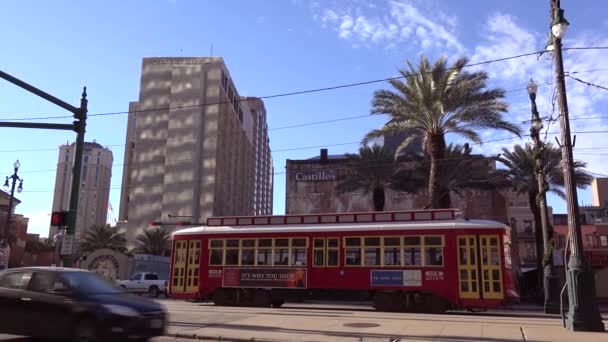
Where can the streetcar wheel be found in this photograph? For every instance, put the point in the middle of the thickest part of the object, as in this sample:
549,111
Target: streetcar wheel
262,299
382,302
277,303
436,305
222,297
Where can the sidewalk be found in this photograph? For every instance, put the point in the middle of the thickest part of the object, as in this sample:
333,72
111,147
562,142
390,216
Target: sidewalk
321,326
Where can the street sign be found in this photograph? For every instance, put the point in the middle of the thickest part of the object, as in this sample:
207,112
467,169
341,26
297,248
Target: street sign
67,245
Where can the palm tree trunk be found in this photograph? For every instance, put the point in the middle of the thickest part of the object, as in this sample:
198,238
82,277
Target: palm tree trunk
379,198
436,150
538,239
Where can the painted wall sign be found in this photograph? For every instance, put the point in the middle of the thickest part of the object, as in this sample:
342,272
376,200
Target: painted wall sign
316,176
265,277
396,278
433,275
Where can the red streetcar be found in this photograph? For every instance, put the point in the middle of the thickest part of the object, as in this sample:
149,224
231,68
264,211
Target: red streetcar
427,261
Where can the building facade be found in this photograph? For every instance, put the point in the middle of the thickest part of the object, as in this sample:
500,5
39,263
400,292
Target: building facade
311,188
264,169
190,150
96,175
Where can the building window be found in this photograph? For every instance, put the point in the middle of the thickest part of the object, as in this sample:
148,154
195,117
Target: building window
528,227
604,240
590,240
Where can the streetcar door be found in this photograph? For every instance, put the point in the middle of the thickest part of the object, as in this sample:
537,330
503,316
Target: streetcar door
468,277
186,266
193,267
491,271
180,252
325,260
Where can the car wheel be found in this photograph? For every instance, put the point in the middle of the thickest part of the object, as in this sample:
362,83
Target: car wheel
85,331
153,291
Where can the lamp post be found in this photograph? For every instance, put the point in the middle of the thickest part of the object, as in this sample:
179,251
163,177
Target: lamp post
550,288
14,177
583,314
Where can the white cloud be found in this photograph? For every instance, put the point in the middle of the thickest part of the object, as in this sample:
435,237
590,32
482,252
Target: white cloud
39,223
504,36
390,23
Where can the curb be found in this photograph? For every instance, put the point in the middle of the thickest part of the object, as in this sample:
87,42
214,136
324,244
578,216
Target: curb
221,338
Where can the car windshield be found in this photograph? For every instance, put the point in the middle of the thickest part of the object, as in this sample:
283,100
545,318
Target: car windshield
89,283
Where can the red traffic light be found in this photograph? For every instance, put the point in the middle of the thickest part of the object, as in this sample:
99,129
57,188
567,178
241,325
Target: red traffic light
59,218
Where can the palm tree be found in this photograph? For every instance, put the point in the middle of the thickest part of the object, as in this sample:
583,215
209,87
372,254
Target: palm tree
100,236
520,174
435,100
155,241
462,172
372,171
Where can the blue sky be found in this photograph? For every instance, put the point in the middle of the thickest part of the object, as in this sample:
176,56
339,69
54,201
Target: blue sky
273,47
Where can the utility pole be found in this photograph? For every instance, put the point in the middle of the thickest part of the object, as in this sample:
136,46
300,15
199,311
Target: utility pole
583,314
550,288
78,126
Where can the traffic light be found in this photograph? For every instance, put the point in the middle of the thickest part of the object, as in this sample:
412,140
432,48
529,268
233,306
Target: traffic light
59,218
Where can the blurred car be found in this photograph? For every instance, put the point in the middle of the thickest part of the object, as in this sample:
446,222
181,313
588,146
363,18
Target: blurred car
73,304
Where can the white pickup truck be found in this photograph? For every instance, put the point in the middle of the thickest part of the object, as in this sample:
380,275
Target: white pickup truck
144,283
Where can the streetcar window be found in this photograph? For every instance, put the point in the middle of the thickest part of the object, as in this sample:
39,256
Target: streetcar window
372,251
332,252
281,243
298,242
248,243
353,256
319,257
352,251
411,240
298,256
232,252
281,256
319,252
372,256
265,243
433,250
216,243
264,256
216,258
248,256
412,251
392,251
350,241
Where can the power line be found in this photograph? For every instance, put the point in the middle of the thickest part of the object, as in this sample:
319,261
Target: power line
308,91
587,83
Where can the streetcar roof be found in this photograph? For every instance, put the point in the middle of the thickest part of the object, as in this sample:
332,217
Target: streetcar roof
343,227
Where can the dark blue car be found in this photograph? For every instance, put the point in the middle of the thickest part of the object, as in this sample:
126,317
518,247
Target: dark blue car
76,305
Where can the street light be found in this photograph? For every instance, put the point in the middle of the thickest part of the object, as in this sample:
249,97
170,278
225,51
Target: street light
559,25
548,279
14,177
583,313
